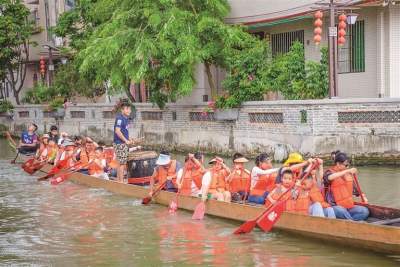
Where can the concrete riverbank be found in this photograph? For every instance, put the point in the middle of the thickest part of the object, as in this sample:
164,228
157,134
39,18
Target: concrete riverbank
368,129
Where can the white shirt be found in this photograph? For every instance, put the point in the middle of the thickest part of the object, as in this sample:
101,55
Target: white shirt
256,172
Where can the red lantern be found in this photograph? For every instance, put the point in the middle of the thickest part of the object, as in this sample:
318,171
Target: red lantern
342,33
318,14
342,17
341,40
317,39
318,31
342,25
318,23
42,64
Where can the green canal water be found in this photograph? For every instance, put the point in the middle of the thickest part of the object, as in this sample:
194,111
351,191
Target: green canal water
72,225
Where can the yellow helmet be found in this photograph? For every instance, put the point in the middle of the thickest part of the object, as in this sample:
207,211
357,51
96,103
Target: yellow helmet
294,158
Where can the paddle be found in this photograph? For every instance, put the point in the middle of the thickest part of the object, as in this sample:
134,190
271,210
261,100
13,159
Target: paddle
56,169
249,225
362,195
267,221
173,205
65,176
199,211
12,144
148,199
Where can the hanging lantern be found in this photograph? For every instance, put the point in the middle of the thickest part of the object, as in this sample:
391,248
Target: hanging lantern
42,65
318,26
342,29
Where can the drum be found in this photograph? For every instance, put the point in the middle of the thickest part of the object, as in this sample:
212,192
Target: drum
141,163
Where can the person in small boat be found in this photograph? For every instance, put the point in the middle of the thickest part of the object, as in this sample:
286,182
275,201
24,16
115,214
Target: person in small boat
98,165
165,172
189,178
263,178
121,139
67,150
311,201
87,154
214,185
62,138
29,142
287,178
296,164
338,181
41,153
239,179
52,151
53,134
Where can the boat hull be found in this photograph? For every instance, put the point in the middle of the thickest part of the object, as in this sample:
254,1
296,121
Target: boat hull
379,238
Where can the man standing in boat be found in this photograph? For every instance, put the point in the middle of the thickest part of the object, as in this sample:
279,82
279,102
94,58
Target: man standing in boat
121,139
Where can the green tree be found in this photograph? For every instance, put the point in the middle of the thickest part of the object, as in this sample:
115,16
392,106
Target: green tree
15,31
296,78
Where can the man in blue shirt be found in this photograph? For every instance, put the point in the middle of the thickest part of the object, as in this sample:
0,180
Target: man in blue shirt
29,140
121,139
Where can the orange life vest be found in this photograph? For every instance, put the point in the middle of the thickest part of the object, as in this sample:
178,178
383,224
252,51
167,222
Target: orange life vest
342,190
95,168
276,193
240,182
195,175
265,183
109,154
85,156
51,153
162,173
316,196
302,203
218,182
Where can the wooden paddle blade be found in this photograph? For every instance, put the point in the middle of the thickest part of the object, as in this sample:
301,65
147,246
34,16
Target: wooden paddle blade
267,221
173,206
246,227
59,179
146,200
199,211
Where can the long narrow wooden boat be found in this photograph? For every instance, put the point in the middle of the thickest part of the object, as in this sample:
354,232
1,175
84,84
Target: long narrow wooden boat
371,235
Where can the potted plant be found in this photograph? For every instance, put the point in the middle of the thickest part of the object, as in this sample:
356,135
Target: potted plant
6,108
225,111
57,107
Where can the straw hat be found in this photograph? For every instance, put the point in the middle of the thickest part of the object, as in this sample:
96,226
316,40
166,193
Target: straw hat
294,158
45,136
241,160
212,161
163,159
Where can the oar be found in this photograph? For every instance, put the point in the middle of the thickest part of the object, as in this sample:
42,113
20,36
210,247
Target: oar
199,211
65,176
12,144
250,224
148,199
173,205
58,168
363,200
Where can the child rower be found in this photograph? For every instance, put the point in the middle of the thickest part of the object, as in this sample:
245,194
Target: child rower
239,179
214,183
280,189
98,165
52,151
189,179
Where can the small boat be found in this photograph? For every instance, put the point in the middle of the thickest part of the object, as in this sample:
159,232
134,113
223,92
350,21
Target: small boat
381,233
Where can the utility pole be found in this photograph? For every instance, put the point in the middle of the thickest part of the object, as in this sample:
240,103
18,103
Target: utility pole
332,46
51,66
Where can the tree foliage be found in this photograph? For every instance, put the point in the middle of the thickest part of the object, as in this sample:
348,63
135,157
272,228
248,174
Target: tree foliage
296,78
15,31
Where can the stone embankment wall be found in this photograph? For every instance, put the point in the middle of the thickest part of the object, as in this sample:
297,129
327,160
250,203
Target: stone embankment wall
365,128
